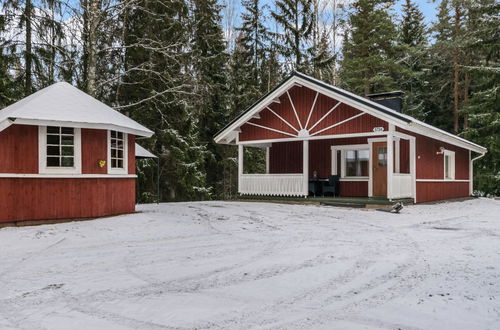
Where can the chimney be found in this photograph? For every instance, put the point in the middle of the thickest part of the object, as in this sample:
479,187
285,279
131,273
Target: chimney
392,100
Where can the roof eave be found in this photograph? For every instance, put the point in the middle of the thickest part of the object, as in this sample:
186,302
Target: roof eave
28,121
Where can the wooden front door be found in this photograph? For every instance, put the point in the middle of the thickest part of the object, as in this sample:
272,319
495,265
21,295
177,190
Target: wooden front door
379,168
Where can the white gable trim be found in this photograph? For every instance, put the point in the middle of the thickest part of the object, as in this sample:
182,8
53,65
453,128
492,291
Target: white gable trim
413,126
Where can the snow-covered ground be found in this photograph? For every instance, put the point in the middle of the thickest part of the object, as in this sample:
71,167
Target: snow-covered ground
228,265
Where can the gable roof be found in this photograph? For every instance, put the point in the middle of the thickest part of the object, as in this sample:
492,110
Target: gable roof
404,121
64,104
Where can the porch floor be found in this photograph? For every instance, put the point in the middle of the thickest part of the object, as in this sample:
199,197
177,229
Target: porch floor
354,201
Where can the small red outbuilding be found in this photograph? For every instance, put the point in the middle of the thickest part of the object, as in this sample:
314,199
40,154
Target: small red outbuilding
313,131
64,154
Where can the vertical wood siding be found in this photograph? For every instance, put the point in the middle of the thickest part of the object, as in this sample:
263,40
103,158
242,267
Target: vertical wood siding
430,166
354,188
34,199
432,191
303,99
19,149
131,154
286,157
94,149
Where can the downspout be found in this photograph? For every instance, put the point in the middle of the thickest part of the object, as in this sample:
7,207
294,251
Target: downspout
471,172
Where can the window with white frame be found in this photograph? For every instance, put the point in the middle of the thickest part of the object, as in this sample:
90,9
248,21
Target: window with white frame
356,162
59,149
117,160
449,165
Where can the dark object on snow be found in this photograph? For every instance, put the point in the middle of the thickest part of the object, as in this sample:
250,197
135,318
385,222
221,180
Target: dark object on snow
397,207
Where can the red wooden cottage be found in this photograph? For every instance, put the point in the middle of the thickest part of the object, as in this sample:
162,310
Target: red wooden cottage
311,129
63,154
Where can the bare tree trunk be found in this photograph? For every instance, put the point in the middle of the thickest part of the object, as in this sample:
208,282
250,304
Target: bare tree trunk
28,83
91,22
456,69
466,98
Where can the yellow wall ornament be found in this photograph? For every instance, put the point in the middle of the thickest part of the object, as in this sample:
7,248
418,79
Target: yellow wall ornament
102,163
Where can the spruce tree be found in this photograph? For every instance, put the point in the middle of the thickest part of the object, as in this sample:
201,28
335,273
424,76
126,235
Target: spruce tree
295,19
156,90
369,53
413,54
483,106
210,72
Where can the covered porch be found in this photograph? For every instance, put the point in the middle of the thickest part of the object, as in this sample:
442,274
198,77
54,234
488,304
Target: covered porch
375,164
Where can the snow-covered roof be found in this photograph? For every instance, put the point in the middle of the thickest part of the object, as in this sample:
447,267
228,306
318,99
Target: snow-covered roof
140,152
65,105
404,121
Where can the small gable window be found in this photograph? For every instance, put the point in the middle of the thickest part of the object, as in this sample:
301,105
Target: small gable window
59,150
117,158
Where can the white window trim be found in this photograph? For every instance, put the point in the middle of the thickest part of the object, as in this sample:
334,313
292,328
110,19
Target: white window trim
343,149
452,163
123,170
42,154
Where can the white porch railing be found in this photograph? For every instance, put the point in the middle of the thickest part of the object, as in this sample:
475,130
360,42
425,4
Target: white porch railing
402,185
272,184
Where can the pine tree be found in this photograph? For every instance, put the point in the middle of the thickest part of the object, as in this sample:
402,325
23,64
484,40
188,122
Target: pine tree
10,87
369,51
296,20
413,53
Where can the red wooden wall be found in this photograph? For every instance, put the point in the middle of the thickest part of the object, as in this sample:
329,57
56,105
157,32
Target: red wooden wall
286,157
430,166
19,149
35,198
57,198
94,149
303,99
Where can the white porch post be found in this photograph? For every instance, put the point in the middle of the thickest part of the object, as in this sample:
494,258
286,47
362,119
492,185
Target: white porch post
240,165
305,166
268,150
413,168
390,160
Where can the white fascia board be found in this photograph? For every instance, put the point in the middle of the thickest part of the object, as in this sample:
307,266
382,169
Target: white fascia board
5,124
257,108
351,102
438,134
36,122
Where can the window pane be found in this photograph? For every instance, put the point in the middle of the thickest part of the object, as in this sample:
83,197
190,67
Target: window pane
53,161
67,140
113,134
53,139
67,151
113,163
120,163
120,144
382,156
447,167
357,162
67,130
52,151
120,154
113,153
119,135
67,161
53,129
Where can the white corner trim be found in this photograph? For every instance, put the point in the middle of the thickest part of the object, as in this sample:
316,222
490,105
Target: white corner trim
123,170
42,154
67,176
